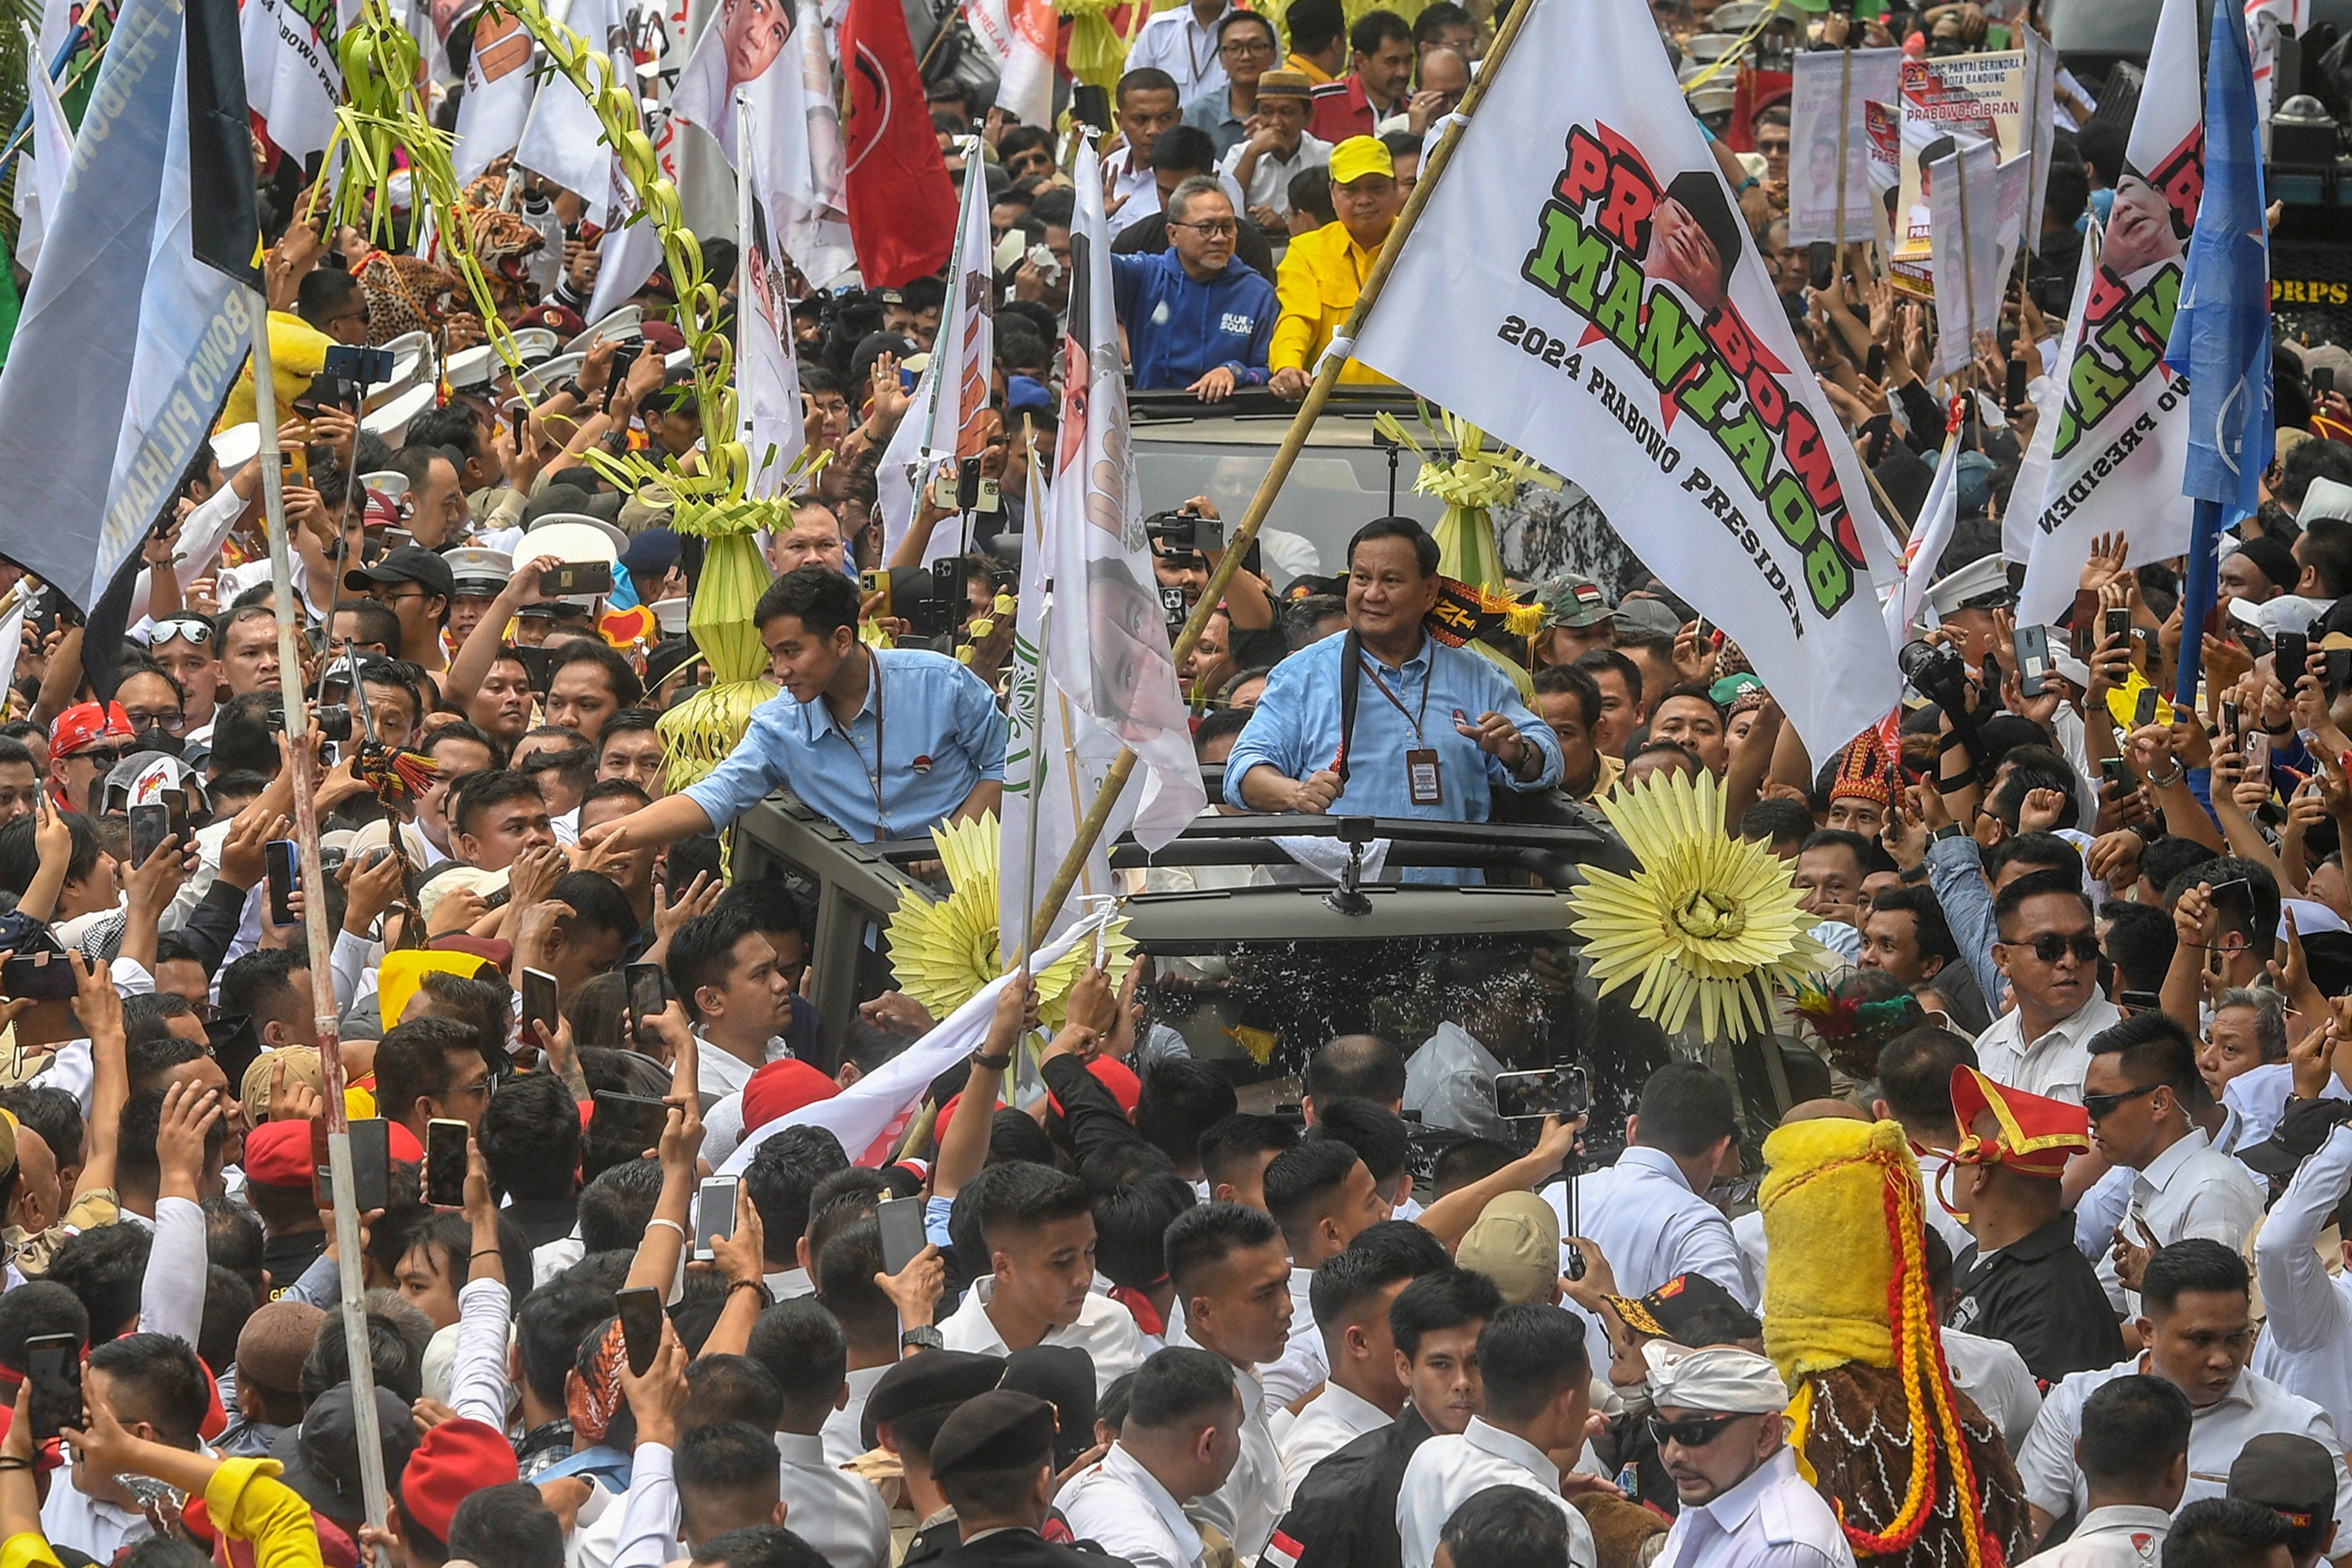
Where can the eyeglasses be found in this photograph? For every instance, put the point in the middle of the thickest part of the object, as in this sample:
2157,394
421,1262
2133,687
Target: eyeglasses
2102,1106
2051,946
1690,1432
102,757
1215,228
1246,47
187,627
484,1087
141,718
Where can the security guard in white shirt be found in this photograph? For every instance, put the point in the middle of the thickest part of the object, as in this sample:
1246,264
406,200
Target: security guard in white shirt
1232,1272
1182,1437
1717,1415
2135,1456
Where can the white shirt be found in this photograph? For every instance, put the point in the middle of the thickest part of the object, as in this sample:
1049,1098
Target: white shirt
1269,181
1336,1419
722,1073
843,1439
2192,1189
1249,1505
2306,1341
1175,41
839,1513
1651,1227
1447,1471
71,1518
1304,1363
1991,1373
1122,1507
1774,1519
2254,1405
1136,189
2259,1096
1105,1331
2051,1065
2112,1538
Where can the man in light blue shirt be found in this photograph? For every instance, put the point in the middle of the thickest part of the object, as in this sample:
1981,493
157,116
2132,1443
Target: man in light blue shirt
1437,729
888,742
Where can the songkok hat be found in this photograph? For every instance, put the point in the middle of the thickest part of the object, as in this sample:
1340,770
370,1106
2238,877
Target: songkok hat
998,1430
1286,84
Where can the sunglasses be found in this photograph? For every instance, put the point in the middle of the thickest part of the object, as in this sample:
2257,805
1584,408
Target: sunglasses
2102,1106
188,628
1690,1432
2050,946
102,757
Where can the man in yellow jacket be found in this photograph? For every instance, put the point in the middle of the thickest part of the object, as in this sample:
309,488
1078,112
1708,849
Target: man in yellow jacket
1322,272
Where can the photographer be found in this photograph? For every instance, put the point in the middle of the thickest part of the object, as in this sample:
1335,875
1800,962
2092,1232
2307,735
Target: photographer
1186,546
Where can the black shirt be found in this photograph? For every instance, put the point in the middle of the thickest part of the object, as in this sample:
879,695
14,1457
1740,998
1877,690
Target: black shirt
1344,1514
1019,1549
2042,1295
288,1257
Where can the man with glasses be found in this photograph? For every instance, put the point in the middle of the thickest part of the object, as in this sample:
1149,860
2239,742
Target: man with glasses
1717,1415
2196,1321
2141,1089
182,648
85,743
1274,148
1193,319
1247,46
2049,952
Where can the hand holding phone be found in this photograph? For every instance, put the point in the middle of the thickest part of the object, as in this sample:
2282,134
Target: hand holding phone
444,1162
641,1316
53,1366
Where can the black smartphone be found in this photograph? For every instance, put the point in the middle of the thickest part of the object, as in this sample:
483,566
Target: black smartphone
646,996
641,1326
41,976
2118,623
175,808
538,1003
520,415
624,356
53,1366
2323,379
2290,657
2140,1001
150,826
1873,364
279,856
2336,668
2116,773
578,577
2013,395
1820,257
235,1043
1090,106
2145,712
2229,717
629,1120
2032,648
714,1213
901,1219
372,1164
370,366
445,1163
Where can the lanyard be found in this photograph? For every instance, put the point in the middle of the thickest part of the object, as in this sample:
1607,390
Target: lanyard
874,777
1412,718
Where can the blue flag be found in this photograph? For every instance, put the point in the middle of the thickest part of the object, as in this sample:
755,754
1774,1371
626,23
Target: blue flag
2220,336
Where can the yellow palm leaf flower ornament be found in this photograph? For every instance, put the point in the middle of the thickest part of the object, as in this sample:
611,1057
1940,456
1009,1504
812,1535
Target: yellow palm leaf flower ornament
942,950
1706,913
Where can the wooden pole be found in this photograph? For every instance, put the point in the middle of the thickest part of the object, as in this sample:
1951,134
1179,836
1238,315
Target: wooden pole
314,922
1318,392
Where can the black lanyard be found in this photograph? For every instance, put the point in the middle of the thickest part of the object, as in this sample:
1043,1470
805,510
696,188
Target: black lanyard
1412,718
874,777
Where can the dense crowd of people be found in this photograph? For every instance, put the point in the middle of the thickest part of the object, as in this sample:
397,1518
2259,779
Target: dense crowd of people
629,1297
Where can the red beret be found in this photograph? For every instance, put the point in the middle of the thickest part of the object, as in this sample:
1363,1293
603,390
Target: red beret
780,1087
277,1154
456,1459
1115,1076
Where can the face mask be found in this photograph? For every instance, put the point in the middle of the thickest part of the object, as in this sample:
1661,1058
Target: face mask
155,737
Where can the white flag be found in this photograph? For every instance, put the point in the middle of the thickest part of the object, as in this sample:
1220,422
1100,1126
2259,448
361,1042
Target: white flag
2266,21
767,368
562,139
1581,285
630,254
1940,514
1110,637
1055,758
12,642
42,185
1979,206
1018,37
776,61
293,79
2025,497
497,93
950,410
1830,87
2122,436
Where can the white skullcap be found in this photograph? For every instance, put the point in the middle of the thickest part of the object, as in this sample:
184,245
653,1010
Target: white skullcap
1722,1380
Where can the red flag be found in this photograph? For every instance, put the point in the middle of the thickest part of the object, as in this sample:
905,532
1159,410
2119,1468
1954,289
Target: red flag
902,207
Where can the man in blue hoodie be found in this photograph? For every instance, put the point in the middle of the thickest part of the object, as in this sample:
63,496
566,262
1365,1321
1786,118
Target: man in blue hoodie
1195,318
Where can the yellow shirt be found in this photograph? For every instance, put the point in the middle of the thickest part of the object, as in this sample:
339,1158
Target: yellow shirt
1316,75
246,1501
1318,281
297,352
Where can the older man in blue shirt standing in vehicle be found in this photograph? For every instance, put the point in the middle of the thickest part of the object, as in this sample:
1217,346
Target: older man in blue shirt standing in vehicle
1437,729
886,742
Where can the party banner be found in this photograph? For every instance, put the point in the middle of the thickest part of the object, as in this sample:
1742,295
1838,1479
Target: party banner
1831,87
1602,308
2122,439
1954,96
1979,208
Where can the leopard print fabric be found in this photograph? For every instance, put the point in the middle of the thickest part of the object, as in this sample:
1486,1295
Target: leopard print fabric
408,294
1859,1444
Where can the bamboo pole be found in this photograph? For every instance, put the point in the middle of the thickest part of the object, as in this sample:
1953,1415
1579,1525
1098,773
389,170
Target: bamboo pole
1318,392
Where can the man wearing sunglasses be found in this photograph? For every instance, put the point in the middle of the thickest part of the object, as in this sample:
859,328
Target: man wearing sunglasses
183,645
1717,1416
2140,1091
2049,953
85,743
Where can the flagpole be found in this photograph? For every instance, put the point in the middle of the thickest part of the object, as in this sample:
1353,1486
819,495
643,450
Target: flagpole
1318,392
936,371
299,762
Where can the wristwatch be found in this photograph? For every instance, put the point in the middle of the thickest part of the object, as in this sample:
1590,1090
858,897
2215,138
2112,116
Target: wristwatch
994,1064
1948,831
922,1337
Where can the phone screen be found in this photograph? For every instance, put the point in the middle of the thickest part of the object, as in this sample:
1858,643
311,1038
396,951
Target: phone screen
641,1327
53,1366
445,1163
372,1164
902,1220
1548,1091
150,826
714,1213
647,997
279,856
538,1003
629,1120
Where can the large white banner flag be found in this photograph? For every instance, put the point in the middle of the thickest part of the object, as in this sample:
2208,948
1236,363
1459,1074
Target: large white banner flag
563,140
1018,36
293,79
1601,307
1828,91
948,417
767,369
1110,636
2018,519
1978,204
1939,516
496,104
2122,441
777,62
42,167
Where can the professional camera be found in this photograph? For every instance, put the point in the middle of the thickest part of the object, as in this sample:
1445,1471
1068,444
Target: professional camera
1935,672
1183,533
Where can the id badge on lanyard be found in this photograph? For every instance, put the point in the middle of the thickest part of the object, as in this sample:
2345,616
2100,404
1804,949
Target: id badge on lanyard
1422,776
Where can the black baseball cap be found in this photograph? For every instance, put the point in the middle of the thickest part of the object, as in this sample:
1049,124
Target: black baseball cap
409,563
